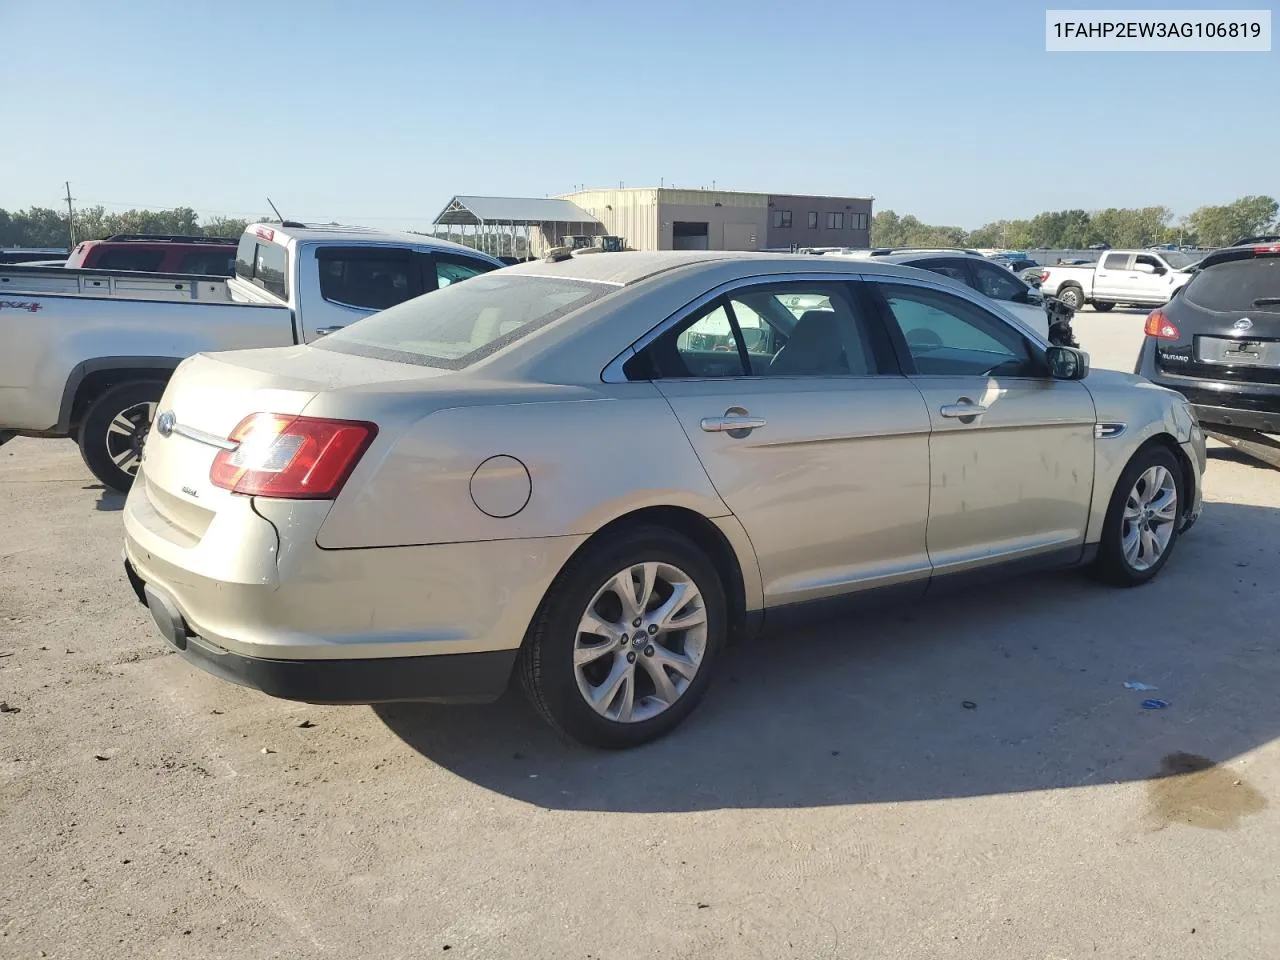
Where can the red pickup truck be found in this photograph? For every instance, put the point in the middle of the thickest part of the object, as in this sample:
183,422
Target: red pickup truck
151,253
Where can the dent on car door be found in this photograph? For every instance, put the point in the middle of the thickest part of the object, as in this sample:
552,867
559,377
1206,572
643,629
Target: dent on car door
785,390
1011,451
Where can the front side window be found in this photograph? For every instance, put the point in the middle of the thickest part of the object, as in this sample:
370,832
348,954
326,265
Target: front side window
774,330
1150,262
997,283
366,282
949,336
464,322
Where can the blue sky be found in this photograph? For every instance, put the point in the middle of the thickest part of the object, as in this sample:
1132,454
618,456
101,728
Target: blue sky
378,112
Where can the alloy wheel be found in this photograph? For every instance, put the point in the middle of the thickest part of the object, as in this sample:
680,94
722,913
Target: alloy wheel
1150,516
640,642
127,435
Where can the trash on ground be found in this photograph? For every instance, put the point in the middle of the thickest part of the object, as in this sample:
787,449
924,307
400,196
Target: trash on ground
304,724
5,708
1135,685
1154,704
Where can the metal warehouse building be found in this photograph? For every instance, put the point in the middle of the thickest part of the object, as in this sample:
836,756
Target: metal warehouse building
666,218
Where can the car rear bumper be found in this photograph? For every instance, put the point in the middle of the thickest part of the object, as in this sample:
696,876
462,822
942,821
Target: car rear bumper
253,599
443,678
1230,403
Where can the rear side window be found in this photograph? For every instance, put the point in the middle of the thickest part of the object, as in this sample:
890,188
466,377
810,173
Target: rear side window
464,322
212,263
1238,286
1115,261
123,258
368,282
262,263
453,269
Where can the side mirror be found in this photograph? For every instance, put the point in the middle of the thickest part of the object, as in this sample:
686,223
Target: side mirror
1067,363
1144,268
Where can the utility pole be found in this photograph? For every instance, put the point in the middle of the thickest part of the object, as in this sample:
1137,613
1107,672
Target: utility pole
71,219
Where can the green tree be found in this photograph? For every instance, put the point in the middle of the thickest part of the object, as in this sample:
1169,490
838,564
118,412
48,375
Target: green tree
1220,226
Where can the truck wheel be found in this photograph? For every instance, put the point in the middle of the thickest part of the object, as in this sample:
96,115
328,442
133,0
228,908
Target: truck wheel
1072,296
1102,306
114,429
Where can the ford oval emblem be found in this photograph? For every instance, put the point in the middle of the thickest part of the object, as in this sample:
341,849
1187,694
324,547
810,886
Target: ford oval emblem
165,423
1244,323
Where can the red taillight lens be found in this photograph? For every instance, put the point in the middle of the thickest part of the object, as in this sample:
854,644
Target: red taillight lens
1044,275
1160,327
295,458
1267,248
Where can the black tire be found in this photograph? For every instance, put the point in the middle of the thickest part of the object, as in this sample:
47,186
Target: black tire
1111,566
112,456
546,659
1102,306
1072,296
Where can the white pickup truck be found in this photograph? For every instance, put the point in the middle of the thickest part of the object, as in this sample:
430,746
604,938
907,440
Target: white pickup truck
86,353
1141,278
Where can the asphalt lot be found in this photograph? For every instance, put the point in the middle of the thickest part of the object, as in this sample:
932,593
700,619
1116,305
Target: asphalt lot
833,797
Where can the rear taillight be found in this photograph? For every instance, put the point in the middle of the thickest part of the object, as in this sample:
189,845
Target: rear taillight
1044,276
1161,327
1267,248
295,458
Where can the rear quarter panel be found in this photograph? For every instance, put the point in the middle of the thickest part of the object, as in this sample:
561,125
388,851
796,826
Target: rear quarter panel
589,461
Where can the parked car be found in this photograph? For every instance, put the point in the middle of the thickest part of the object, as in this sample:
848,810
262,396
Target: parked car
543,471
152,253
32,255
987,277
1135,277
1217,342
87,353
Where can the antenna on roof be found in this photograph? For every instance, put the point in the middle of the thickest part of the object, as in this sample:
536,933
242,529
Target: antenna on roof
279,215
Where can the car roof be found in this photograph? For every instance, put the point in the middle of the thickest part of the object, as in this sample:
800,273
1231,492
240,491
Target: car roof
342,233
929,255
628,267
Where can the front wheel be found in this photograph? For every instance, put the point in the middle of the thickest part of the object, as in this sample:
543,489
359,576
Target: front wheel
114,430
1141,527
1102,306
625,643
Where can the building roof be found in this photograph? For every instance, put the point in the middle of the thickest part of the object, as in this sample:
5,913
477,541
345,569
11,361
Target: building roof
521,211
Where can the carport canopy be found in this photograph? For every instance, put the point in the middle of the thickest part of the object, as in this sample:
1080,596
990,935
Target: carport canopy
512,211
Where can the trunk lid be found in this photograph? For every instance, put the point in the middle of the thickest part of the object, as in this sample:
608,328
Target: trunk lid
210,394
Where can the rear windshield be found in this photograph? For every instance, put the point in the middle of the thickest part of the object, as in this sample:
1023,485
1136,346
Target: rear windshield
262,263
464,322
1238,286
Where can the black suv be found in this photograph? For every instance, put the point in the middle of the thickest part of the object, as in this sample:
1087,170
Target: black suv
1217,342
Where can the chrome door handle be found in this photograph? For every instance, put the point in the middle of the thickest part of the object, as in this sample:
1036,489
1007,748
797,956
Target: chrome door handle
325,331
732,424
963,410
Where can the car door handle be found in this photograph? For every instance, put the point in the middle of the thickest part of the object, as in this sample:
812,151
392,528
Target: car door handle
732,424
962,410
325,331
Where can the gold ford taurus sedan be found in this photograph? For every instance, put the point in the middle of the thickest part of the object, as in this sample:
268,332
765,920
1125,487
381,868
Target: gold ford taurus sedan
595,471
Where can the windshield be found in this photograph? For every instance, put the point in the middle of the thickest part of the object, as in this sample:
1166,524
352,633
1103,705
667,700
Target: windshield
464,322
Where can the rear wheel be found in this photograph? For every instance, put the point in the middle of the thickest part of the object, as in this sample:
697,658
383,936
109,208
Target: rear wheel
114,430
1072,296
1141,527
1102,306
625,643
